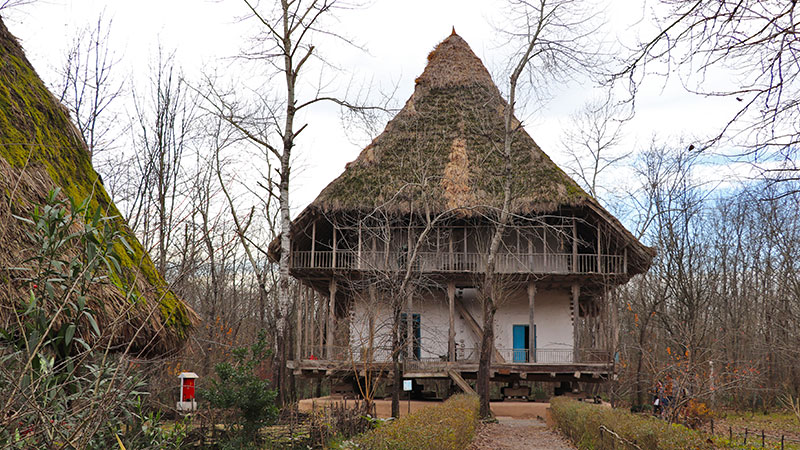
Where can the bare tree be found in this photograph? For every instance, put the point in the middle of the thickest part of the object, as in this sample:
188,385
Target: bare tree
551,42
285,44
165,117
591,139
89,88
755,41
8,4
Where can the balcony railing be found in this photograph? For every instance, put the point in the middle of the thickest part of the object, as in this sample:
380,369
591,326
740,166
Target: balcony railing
360,355
545,263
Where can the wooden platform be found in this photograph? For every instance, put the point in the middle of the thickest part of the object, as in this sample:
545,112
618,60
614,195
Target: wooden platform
583,372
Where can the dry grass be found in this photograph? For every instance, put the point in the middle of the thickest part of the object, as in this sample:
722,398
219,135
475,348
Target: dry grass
449,426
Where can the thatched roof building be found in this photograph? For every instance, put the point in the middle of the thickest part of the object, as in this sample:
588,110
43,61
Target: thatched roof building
443,151
40,149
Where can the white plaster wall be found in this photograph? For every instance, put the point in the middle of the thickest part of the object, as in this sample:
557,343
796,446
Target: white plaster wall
552,317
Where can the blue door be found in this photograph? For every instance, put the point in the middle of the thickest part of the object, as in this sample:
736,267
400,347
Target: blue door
521,346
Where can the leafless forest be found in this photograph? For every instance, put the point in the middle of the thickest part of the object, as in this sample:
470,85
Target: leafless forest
202,174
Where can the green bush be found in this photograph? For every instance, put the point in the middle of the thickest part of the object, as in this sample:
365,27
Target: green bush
449,426
591,426
61,388
238,390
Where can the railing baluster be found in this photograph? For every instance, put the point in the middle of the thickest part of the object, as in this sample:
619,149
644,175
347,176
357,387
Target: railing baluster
469,262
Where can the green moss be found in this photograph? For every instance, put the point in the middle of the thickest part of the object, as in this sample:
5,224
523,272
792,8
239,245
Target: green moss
35,131
416,145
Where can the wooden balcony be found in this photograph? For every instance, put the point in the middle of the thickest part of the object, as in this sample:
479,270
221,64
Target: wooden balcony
547,364
429,262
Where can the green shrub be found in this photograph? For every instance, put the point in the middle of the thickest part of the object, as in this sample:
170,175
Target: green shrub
61,387
591,426
238,390
449,426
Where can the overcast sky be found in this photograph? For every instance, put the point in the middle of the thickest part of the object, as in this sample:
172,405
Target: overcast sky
397,36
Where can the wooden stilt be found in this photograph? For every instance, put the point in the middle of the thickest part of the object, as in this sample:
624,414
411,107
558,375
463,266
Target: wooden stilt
531,322
576,292
298,312
451,334
331,317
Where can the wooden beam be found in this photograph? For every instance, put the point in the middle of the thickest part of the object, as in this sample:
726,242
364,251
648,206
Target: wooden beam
410,327
307,319
599,262
313,242
576,292
451,334
321,320
574,245
465,243
461,382
333,262
625,260
298,331
450,249
372,303
331,316
476,328
531,322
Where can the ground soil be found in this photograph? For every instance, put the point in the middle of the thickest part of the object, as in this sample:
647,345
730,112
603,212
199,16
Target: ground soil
383,408
528,434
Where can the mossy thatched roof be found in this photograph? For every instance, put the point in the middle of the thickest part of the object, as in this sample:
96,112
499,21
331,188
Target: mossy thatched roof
443,152
40,149
444,149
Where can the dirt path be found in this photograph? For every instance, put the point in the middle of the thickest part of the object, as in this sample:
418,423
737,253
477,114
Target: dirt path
526,434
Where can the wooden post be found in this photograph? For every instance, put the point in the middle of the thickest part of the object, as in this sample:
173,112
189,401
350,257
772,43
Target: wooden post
307,338
625,260
313,243
465,243
451,334
321,320
410,328
359,245
333,262
576,292
298,331
331,316
450,248
386,249
599,266
372,302
531,259
574,245
531,323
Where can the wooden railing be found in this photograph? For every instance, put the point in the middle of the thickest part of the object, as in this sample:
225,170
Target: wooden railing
358,354
546,263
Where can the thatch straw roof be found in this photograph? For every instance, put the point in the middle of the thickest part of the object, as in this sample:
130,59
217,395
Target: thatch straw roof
443,151
40,149
449,136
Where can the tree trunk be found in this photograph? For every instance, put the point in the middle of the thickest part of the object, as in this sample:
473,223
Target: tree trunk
396,347
485,361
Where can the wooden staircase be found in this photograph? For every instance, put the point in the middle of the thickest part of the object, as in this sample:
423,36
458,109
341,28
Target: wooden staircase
476,328
460,381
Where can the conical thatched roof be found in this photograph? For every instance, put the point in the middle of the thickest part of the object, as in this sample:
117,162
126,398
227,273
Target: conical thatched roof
449,136
40,150
443,151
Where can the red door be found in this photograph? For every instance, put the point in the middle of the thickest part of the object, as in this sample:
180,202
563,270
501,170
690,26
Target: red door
188,389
